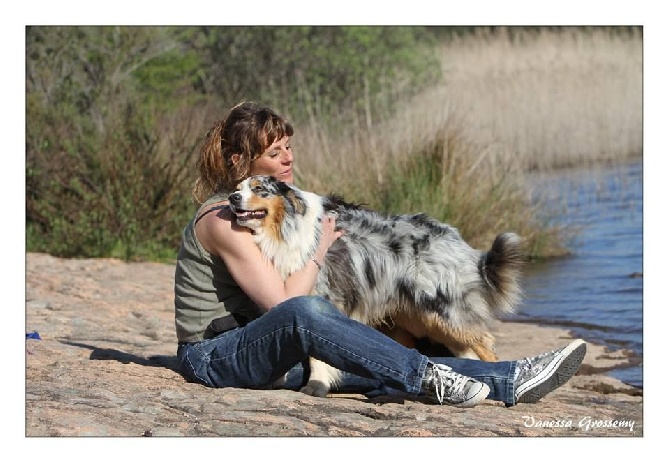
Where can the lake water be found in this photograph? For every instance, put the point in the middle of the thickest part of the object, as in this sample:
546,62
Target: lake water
596,292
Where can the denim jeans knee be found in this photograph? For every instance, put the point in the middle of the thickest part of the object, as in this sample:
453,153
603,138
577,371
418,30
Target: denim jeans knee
307,311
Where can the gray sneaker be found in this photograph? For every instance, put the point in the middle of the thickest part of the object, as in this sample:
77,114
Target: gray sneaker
443,384
539,375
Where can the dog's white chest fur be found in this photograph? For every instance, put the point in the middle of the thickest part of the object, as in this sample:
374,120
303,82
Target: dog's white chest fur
300,234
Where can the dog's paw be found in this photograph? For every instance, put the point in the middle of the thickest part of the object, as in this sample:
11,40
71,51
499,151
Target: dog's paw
315,388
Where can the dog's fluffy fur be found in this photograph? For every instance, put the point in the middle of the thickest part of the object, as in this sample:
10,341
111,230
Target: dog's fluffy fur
409,276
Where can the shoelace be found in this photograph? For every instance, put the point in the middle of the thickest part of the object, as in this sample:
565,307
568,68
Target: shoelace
526,364
447,382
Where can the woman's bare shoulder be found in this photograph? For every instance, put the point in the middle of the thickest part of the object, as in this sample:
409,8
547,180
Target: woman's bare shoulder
217,229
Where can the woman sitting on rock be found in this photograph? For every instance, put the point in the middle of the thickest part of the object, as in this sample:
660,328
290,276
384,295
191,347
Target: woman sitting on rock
240,325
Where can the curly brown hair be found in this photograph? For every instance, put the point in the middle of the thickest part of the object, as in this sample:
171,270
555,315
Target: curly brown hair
248,130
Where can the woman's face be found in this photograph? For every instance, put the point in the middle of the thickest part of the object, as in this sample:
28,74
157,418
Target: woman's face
276,161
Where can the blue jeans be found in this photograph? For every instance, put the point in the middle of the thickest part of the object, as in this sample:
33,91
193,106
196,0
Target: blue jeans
282,340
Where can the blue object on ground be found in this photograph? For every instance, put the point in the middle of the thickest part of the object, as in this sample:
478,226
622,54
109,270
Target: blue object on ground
34,335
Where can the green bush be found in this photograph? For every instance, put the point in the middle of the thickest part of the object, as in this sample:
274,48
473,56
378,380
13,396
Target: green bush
314,72
109,168
108,195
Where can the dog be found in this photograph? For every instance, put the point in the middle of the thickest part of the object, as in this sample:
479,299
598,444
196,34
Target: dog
409,276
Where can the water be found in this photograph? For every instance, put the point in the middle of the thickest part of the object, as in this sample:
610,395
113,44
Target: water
597,291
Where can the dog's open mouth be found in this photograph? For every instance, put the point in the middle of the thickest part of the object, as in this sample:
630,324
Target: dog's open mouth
245,215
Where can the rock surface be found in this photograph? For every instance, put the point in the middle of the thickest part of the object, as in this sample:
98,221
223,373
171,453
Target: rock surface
104,366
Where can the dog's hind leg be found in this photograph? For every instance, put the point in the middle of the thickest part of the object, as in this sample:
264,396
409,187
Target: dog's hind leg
480,345
471,343
389,328
322,378
465,343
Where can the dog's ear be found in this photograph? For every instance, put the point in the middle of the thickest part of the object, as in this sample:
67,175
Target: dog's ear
292,196
334,202
282,187
298,202
329,204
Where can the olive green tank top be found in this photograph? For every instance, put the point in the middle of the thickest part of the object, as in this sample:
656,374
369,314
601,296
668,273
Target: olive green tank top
204,290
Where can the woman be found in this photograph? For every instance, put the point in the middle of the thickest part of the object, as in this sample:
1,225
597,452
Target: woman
240,325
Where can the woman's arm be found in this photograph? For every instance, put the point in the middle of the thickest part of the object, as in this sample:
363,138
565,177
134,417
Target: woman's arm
257,276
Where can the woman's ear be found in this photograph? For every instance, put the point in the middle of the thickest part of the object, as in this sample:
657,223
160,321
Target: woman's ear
235,158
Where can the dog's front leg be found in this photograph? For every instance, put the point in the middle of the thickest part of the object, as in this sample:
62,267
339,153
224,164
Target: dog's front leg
322,378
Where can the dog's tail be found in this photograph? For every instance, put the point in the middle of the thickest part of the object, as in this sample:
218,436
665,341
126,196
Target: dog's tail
500,268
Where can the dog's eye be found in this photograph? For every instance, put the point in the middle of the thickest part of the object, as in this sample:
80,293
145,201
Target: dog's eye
257,189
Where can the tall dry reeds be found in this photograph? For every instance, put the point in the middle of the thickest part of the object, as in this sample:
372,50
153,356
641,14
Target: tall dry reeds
559,97
459,151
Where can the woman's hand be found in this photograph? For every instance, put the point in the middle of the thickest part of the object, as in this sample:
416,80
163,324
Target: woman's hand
329,234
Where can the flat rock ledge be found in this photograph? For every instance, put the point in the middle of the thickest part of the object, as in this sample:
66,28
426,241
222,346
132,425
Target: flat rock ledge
105,366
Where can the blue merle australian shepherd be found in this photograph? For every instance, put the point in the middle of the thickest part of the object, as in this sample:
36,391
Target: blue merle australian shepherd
409,276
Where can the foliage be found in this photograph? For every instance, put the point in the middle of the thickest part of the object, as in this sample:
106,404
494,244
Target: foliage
115,115
98,181
314,71
109,164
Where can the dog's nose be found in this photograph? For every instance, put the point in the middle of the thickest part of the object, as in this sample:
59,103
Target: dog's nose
235,198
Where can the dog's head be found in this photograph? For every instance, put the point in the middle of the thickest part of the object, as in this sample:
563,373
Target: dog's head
264,201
